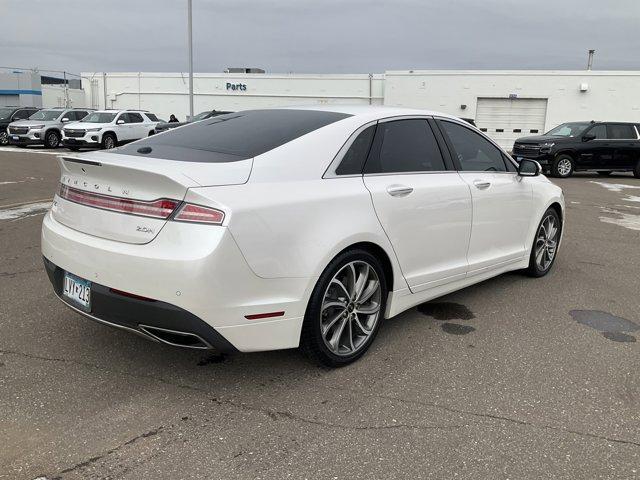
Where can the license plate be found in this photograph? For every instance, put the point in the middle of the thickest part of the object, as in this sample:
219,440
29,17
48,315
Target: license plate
77,290
15,137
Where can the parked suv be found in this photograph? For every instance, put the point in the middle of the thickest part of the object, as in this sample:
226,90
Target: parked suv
44,127
578,146
11,114
109,128
164,126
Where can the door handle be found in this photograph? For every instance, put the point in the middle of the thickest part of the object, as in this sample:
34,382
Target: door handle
481,185
399,190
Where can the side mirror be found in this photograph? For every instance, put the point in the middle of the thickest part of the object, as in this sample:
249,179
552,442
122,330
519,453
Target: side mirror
119,122
529,168
587,137
65,120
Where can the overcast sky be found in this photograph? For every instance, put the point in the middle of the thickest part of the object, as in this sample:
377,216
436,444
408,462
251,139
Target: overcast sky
323,36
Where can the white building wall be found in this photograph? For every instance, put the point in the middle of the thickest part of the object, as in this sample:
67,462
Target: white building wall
54,96
608,95
167,93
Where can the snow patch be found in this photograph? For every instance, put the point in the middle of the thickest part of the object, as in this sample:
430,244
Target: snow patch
614,187
25,211
626,220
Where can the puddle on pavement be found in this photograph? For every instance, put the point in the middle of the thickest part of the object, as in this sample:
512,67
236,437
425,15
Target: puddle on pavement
610,326
446,311
456,328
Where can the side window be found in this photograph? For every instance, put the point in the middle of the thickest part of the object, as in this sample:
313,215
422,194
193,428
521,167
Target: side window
124,117
21,115
151,117
71,115
135,118
405,146
353,160
510,166
80,114
619,131
474,152
600,132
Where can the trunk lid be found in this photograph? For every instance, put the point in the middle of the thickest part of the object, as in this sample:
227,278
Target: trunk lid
145,179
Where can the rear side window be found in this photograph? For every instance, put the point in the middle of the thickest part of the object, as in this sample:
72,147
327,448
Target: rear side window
235,136
151,117
405,146
618,131
135,118
354,159
80,114
474,152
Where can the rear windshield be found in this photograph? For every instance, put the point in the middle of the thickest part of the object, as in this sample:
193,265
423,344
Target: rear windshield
234,136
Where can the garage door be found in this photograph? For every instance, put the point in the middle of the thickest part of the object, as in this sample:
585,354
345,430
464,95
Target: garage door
506,119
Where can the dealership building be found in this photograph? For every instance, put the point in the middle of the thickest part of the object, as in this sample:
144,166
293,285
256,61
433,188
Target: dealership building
504,104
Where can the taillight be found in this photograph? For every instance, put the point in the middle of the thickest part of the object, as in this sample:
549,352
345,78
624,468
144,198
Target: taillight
162,208
199,214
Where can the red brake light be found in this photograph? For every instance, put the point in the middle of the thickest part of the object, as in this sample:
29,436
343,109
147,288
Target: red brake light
199,214
162,208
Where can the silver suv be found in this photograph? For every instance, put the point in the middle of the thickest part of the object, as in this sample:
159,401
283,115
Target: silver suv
44,127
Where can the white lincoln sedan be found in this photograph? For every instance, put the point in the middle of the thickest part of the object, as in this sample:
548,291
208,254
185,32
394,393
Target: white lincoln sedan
293,227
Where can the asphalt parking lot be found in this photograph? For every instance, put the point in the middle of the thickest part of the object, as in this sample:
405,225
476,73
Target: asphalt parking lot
512,378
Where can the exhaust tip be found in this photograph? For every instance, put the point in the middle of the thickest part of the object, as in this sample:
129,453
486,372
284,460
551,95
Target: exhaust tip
176,338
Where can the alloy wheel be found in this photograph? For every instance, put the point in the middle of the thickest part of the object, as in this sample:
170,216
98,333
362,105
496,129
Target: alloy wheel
109,143
546,242
350,308
4,139
564,167
52,140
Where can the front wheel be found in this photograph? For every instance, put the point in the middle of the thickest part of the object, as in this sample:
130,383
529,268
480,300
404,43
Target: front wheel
562,166
345,310
52,140
108,141
4,138
545,244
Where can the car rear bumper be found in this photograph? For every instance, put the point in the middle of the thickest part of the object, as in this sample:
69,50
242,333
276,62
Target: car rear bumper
195,275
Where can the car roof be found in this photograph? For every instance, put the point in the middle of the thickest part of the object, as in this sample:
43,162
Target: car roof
370,111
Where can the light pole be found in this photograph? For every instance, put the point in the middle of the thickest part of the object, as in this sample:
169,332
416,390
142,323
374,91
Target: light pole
190,28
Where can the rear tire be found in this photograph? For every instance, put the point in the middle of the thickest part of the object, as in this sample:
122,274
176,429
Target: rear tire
109,141
604,173
345,310
545,244
636,171
52,139
562,166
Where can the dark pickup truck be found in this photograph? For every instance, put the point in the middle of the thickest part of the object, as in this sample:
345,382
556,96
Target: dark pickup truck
603,147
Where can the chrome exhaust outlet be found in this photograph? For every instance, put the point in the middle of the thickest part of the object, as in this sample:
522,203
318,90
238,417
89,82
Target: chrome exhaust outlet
175,338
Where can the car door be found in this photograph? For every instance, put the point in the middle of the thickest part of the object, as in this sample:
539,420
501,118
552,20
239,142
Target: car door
626,147
138,126
502,199
124,131
423,205
596,150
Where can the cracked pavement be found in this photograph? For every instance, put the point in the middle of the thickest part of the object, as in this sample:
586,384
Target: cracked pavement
527,393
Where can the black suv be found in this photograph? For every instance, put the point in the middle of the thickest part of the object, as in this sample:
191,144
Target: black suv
11,114
578,146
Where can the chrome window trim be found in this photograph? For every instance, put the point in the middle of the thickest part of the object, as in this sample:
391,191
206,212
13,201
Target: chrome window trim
330,172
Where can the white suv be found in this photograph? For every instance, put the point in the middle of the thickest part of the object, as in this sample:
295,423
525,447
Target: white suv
109,128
